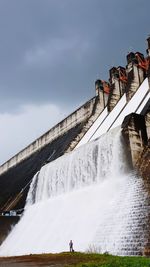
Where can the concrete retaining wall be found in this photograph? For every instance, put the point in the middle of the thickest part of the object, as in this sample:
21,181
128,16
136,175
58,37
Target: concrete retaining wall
80,115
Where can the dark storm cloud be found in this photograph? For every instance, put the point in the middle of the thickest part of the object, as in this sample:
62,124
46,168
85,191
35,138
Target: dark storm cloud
52,51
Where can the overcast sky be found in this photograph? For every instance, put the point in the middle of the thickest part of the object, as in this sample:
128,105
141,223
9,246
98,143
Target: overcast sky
52,51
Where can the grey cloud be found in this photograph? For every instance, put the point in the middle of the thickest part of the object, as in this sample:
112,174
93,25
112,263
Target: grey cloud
53,50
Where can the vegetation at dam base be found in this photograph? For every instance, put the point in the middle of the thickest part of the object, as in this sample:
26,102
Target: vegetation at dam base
75,259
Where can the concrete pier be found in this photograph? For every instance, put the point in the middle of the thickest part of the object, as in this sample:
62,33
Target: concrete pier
118,80
135,135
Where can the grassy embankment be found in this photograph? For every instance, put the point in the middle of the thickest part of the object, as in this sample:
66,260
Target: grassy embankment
97,260
77,260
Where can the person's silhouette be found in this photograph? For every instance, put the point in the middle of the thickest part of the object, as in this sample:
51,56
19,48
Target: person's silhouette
71,246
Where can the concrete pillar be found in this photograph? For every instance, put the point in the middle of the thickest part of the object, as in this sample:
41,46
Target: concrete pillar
118,80
147,120
148,60
148,49
135,135
135,73
102,90
147,116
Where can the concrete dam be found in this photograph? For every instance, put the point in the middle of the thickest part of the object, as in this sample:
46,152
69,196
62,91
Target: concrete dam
87,178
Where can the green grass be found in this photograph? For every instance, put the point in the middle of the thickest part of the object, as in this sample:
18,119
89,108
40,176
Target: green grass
97,260
77,259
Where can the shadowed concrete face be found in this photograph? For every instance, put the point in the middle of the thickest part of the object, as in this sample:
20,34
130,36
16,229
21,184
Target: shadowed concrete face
19,176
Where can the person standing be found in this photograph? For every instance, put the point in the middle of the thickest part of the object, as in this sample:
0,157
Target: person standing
71,246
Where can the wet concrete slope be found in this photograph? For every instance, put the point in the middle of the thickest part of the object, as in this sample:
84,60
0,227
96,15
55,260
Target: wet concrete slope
14,183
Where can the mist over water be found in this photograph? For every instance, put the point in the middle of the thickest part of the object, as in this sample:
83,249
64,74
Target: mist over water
90,196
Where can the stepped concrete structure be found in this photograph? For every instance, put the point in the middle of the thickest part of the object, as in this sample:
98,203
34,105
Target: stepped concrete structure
124,100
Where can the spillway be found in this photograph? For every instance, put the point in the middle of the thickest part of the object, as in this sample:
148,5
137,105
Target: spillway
90,196
107,121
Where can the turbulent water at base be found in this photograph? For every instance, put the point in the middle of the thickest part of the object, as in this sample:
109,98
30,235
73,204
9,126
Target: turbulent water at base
89,196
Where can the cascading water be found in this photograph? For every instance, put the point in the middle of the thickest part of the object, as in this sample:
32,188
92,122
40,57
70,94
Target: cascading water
89,196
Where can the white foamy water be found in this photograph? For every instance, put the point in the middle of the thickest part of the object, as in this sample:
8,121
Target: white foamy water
88,196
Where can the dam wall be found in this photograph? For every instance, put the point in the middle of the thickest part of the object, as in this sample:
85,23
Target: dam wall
124,100
80,115
113,214
19,176
122,81
127,91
